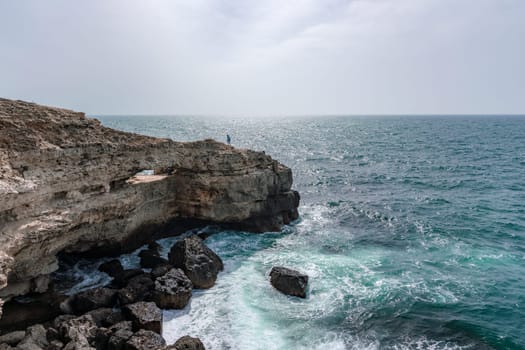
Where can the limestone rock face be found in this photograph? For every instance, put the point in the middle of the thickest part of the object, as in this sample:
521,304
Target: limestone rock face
66,186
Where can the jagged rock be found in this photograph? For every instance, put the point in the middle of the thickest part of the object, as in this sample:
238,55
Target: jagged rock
122,325
172,290
77,331
118,339
145,340
113,268
12,338
35,338
150,259
93,299
137,289
144,315
66,186
106,317
5,347
52,334
289,281
55,345
188,343
198,262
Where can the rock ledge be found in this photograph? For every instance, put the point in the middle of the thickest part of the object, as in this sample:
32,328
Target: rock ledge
66,186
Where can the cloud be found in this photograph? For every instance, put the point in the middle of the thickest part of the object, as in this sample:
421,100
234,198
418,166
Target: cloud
267,56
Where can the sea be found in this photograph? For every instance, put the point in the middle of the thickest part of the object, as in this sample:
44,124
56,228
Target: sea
411,229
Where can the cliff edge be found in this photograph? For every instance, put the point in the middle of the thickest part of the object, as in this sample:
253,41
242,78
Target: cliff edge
68,184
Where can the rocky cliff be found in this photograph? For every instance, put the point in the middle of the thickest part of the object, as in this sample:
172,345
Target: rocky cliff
67,185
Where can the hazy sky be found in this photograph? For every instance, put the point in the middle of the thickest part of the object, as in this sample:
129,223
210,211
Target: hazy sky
265,57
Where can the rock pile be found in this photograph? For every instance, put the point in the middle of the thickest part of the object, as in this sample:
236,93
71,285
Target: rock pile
126,315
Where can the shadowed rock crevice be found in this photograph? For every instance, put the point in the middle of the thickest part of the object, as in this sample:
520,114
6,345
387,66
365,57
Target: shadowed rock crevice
65,185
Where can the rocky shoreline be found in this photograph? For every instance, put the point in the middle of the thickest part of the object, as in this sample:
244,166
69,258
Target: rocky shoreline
126,313
70,186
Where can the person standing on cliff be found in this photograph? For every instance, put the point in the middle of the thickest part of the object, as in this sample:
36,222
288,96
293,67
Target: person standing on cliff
228,139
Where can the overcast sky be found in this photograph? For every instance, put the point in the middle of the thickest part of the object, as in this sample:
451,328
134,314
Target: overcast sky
265,57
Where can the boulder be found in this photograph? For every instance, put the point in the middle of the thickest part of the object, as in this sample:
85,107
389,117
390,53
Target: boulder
144,315
113,268
289,281
160,270
35,338
93,299
12,338
172,290
145,340
78,332
118,339
55,345
154,246
106,317
188,343
137,289
150,258
123,279
197,261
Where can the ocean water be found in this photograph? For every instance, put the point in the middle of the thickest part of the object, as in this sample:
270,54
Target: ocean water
412,230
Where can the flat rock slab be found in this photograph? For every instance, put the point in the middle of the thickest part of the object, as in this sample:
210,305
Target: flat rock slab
288,281
144,315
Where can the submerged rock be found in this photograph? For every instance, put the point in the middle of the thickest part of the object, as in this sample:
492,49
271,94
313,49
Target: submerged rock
198,262
113,268
144,315
289,281
172,290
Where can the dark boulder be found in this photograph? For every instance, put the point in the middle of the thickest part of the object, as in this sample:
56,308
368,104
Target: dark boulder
93,299
78,332
197,261
172,290
123,279
113,268
289,281
144,315
106,317
160,270
138,289
118,340
150,258
154,246
188,343
145,340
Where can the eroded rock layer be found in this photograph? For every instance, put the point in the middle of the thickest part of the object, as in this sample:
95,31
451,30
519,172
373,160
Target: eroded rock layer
65,187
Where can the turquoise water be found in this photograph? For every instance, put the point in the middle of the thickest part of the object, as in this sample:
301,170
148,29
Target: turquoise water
412,230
